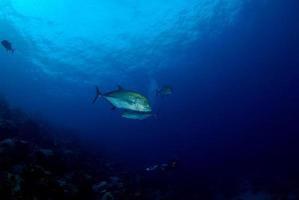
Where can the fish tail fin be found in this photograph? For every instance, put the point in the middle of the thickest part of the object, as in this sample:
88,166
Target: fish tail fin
98,94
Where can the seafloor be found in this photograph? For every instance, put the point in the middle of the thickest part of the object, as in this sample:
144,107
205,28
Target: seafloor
40,162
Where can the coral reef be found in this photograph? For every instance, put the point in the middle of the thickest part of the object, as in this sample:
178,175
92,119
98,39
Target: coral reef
37,165
39,162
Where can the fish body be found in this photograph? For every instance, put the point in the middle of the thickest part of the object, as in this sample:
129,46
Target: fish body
136,115
7,45
126,99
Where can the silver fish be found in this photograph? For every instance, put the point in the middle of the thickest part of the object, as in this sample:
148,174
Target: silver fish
136,115
125,99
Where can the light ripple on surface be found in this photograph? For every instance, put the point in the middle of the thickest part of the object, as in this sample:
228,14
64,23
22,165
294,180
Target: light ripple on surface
91,37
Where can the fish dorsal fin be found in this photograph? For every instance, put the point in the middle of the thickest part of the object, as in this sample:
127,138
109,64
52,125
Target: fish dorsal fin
120,87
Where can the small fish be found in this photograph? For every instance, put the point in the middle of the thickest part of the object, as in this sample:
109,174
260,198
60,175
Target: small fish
125,99
7,45
136,115
166,90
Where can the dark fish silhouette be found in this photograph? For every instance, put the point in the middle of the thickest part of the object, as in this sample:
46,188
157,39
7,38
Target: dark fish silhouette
7,46
166,90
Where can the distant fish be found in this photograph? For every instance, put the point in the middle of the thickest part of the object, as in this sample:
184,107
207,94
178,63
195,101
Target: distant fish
166,90
125,99
7,45
136,115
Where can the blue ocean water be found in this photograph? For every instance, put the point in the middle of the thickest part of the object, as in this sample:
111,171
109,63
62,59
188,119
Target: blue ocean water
233,66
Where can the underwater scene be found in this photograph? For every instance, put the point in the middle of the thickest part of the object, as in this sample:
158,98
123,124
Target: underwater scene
149,100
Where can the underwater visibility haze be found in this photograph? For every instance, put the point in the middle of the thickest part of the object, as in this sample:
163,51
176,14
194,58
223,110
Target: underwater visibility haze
192,99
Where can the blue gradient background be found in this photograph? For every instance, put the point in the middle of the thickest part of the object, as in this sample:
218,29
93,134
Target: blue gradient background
233,65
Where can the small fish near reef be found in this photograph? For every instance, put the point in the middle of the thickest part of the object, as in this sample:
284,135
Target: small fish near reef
125,99
136,115
7,45
166,90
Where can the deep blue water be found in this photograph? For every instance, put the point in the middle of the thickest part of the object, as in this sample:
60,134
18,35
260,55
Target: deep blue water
233,65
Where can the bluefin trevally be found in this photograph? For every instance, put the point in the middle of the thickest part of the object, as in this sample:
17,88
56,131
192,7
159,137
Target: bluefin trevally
136,115
166,90
125,99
